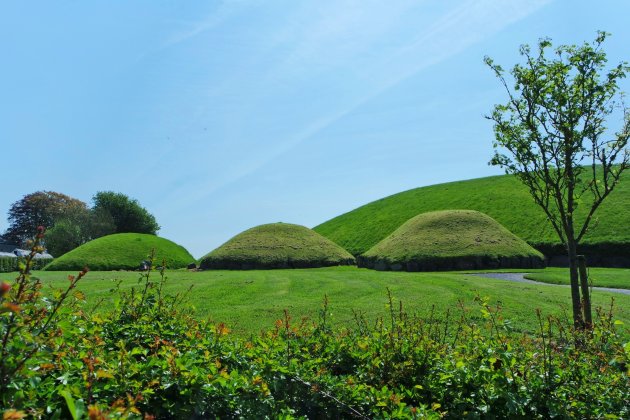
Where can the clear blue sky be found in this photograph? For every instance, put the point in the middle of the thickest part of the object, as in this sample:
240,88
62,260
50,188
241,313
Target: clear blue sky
222,115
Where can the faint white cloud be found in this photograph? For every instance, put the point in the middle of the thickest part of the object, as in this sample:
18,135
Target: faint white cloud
373,41
191,29
463,26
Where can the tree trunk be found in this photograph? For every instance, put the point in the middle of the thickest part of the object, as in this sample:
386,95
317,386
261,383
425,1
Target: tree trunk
578,320
586,296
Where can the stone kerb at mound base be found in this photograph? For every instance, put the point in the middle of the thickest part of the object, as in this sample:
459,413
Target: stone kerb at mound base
453,263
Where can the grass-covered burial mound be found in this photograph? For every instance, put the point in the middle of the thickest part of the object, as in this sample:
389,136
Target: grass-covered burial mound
451,240
276,245
122,251
506,200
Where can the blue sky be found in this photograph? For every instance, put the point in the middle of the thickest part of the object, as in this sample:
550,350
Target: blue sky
222,115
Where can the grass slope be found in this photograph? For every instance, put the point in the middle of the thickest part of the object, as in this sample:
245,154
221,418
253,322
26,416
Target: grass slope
276,245
249,301
503,198
122,251
448,240
600,277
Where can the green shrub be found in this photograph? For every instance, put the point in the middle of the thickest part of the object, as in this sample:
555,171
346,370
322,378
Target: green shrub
8,264
11,264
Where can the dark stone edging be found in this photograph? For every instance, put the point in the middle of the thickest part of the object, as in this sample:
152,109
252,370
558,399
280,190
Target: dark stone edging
452,263
228,264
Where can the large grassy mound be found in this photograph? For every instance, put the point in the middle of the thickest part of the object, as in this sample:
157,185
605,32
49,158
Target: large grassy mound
276,245
451,240
503,198
122,251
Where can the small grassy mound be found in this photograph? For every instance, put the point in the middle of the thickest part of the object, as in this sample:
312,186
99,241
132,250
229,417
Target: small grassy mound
504,199
451,240
122,251
276,245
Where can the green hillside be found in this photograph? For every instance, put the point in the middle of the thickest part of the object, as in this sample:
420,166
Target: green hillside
276,245
503,198
451,240
122,251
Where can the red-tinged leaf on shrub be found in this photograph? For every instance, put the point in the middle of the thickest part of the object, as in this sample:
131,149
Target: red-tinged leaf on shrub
13,415
221,329
9,307
79,295
95,413
4,288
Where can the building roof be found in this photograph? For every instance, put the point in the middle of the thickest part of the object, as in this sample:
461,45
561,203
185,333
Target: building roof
7,246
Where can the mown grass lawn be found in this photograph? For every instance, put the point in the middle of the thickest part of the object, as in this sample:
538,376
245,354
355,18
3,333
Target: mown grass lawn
618,278
249,301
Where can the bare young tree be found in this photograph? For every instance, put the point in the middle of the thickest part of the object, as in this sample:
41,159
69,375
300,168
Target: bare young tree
552,135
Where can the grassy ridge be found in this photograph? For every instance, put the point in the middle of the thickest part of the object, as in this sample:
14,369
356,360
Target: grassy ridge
122,251
503,198
249,301
451,239
276,245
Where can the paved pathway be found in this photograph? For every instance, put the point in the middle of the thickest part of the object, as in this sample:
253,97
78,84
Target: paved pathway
520,278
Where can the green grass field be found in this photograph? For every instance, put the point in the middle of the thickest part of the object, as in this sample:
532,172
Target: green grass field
249,301
618,278
503,198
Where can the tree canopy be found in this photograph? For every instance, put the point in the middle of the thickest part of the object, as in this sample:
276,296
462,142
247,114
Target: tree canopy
41,208
74,230
553,135
70,223
126,213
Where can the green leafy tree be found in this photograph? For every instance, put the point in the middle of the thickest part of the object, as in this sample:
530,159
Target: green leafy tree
41,208
552,135
68,232
126,213
77,228
64,236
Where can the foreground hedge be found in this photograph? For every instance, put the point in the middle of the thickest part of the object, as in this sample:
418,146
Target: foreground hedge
149,356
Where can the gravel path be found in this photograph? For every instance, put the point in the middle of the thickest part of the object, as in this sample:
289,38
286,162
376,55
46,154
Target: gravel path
520,278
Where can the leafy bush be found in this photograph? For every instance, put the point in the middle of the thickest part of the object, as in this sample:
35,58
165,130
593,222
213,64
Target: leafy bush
10,264
149,356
